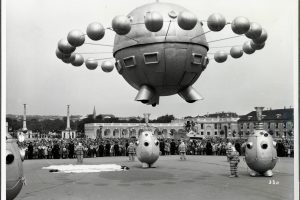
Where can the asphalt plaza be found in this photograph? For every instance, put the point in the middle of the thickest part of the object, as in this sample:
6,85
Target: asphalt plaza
199,177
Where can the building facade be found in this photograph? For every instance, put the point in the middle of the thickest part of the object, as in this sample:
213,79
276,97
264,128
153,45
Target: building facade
225,126
278,122
128,130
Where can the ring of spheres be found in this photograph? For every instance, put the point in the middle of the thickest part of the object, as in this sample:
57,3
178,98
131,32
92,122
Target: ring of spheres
154,21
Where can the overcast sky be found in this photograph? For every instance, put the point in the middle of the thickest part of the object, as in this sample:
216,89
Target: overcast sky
36,77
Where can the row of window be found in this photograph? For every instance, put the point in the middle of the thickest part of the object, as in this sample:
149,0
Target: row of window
217,126
277,125
154,58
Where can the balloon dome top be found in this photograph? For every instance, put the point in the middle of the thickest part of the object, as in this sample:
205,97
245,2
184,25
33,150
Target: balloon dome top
172,15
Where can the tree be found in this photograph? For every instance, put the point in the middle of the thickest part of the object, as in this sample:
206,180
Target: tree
189,125
163,119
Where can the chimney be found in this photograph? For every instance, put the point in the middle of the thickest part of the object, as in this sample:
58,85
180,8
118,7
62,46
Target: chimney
68,118
259,124
146,116
24,129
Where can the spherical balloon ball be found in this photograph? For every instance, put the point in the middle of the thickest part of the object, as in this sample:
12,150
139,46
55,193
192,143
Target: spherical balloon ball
262,38
65,47
254,31
61,55
257,46
216,22
67,60
91,63
220,56
107,66
76,38
154,21
236,52
95,31
121,25
58,54
72,57
247,48
78,60
186,20
240,25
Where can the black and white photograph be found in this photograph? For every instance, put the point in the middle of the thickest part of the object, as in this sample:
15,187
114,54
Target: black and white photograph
149,99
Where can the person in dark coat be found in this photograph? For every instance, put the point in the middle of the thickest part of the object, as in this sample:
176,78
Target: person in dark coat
56,151
238,148
107,149
280,149
71,149
126,147
208,148
172,147
30,151
116,149
162,147
101,149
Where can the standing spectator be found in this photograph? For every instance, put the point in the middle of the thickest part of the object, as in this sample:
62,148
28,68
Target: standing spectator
234,161
49,152
172,147
71,149
56,151
131,151
228,150
208,148
116,149
162,147
64,151
182,150
45,149
30,151
107,149
101,149
167,148
79,153
126,146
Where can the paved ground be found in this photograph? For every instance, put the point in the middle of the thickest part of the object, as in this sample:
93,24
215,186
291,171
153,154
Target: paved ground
200,177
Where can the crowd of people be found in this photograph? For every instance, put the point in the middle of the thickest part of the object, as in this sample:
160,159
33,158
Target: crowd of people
65,148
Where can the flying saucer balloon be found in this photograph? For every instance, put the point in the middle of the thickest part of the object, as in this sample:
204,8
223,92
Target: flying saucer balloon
160,49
